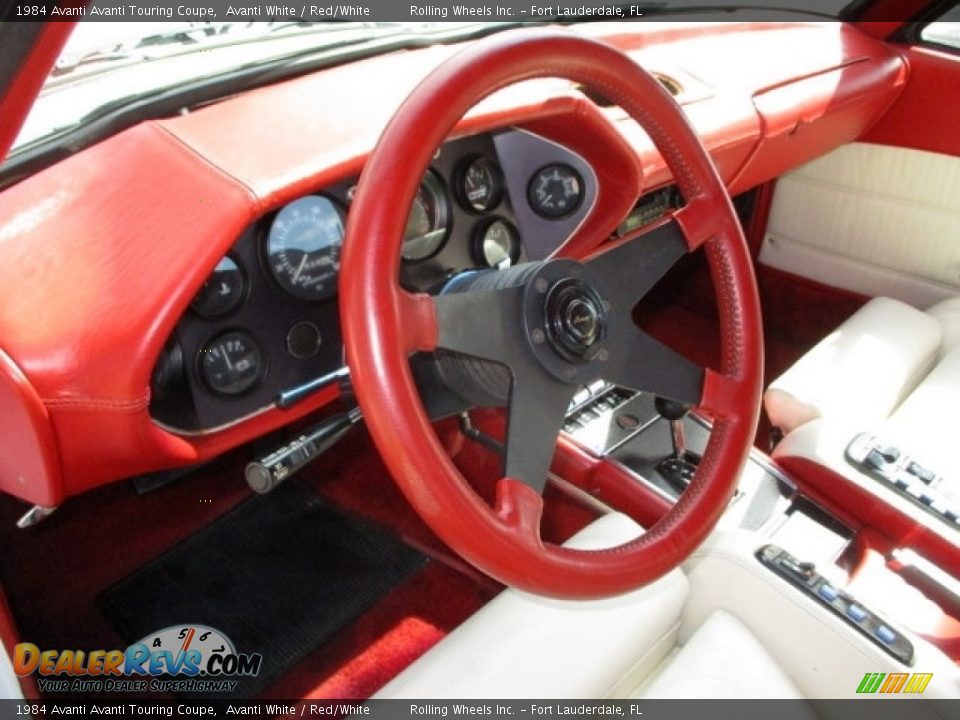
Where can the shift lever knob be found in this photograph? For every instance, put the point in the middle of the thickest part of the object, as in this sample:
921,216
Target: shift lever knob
674,412
670,409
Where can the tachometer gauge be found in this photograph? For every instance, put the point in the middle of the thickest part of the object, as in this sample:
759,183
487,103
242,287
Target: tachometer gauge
429,220
303,247
231,364
555,191
496,243
479,184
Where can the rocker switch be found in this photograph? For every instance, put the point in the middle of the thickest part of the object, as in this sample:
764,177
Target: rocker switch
803,570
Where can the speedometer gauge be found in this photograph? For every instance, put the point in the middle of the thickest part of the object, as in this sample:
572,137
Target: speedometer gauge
303,247
429,220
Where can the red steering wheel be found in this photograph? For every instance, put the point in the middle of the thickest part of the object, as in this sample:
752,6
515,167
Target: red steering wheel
545,327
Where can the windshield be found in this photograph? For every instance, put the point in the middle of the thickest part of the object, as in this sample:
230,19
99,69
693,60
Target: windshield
104,63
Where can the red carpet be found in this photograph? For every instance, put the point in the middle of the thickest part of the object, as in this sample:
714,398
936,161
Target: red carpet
53,573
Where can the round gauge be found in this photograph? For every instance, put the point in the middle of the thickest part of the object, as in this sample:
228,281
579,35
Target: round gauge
555,191
479,184
429,220
223,291
201,640
303,247
496,244
231,364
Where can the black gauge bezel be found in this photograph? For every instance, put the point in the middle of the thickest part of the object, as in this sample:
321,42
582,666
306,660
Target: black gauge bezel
460,178
440,192
264,242
218,337
480,231
244,292
538,209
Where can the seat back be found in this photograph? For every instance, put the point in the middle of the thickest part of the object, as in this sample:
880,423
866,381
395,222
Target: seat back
860,372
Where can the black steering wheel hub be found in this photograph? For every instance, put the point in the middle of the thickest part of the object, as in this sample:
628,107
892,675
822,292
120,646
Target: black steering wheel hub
567,320
575,320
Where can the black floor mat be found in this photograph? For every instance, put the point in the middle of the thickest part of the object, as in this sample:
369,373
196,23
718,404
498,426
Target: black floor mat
279,576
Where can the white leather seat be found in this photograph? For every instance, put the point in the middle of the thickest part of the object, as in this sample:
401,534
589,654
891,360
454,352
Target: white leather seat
863,370
925,424
891,370
722,659
488,656
947,313
726,627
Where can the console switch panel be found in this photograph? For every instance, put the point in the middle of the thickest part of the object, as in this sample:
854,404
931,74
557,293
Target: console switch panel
905,476
804,576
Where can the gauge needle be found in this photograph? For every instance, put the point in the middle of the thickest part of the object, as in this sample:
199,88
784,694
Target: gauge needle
226,356
296,275
185,646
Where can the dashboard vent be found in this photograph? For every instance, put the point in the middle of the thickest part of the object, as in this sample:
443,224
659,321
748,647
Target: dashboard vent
672,86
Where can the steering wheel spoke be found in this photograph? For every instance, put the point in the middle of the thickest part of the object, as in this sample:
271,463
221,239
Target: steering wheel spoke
481,323
640,362
721,395
632,266
700,220
538,406
520,508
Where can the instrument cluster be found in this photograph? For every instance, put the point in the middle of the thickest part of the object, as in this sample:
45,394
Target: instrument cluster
267,322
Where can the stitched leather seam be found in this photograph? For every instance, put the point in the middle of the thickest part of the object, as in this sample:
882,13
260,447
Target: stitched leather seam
114,404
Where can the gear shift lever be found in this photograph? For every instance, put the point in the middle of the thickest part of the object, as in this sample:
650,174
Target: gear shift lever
678,468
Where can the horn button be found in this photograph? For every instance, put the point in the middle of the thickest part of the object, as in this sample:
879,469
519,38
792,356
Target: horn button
575,320
567,320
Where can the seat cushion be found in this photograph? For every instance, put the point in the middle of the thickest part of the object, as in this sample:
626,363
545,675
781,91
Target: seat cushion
861,371
925,425
947,313
722,659
523,646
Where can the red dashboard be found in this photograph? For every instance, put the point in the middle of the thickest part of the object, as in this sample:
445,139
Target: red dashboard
130,229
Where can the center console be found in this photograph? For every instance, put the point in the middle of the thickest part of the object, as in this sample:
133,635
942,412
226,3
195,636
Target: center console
879,585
